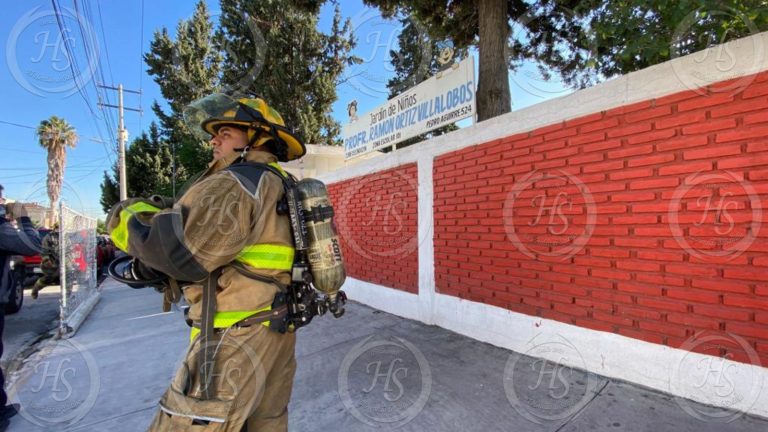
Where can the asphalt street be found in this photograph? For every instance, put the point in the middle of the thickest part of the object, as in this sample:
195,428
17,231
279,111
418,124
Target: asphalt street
34,322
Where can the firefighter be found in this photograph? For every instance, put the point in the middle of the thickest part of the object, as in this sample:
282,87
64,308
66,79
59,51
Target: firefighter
225,238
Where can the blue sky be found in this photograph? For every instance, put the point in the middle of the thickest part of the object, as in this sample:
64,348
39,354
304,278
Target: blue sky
37,82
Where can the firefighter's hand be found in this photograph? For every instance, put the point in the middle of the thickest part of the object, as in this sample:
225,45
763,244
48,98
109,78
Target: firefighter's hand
16,210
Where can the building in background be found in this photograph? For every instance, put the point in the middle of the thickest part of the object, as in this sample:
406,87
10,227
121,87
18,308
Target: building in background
40,215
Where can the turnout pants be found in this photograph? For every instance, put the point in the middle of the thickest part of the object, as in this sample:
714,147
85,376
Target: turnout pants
252,379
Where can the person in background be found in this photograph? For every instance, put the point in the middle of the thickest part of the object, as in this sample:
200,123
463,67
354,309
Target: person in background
49,262
23,240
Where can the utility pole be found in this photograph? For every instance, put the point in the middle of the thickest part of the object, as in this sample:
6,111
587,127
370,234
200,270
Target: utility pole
122,134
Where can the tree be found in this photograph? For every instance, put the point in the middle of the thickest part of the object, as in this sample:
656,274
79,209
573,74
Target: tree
631,35
110,190
287,61
148,165
414,61
548,28
185,70
55,135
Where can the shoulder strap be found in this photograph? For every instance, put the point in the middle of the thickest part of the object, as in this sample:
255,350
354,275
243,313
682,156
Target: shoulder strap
252,171
206,357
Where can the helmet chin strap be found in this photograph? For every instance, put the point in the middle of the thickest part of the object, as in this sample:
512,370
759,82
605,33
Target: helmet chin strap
251,141
243,151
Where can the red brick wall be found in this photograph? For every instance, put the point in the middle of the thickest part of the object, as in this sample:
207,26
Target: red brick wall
377,220
641,220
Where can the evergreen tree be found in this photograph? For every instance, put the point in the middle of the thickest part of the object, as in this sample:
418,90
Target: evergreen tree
632,35
414,61
286,60
185,69
549,28
148,166
110,190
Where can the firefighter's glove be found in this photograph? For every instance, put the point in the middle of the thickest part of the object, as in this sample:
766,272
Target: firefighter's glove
122,212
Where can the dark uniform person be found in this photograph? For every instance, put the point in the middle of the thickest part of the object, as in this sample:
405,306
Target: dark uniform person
49,262
23,240
225,231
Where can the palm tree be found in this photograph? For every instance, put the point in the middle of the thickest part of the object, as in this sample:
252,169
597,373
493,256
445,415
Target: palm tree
55,135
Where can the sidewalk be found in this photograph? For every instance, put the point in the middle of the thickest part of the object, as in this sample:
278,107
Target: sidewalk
366,371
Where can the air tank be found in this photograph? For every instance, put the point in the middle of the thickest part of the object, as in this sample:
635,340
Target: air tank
324,250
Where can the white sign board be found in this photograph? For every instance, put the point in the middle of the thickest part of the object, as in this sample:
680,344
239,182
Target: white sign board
434,103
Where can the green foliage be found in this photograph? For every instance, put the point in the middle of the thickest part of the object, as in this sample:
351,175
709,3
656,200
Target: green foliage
414,61
185,69
287,61
545,32
101,227
630,35
588,41
250,53
148,167
110,190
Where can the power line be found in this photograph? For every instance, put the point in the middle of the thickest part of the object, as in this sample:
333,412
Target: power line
24,175
82,165
2,149
18,125
80,178
104,38
73,66
99,70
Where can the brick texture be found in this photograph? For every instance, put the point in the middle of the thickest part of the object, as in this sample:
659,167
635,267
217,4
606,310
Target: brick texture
638,221
376,218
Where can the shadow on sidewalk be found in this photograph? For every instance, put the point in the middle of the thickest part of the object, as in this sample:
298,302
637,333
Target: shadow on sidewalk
367,371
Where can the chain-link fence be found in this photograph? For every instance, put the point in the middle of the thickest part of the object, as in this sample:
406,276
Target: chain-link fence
78,268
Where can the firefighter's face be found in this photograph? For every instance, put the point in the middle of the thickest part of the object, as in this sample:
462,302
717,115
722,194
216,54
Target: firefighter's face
226,140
